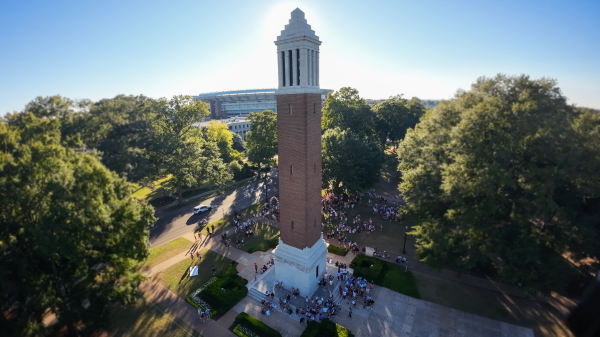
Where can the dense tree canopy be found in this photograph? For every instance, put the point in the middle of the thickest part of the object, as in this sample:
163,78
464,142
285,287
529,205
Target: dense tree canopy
351,162
261,140
70,232
395,116
180,149
346,110
505,175
118,127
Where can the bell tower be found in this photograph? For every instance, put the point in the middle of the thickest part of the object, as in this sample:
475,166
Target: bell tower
301,254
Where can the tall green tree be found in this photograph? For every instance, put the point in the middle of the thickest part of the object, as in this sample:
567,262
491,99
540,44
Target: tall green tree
261,140
118,127
351,162
70,232
180,149
238,142
346,110
218,132
396,115
505,174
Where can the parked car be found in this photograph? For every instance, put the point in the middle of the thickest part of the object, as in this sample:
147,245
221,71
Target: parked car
201,208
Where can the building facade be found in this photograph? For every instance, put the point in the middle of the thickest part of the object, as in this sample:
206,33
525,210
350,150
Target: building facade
300,257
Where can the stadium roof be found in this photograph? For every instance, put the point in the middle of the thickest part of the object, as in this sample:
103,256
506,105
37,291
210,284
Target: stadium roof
243,95
239,95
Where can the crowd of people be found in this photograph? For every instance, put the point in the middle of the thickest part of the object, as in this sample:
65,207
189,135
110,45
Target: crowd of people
269,212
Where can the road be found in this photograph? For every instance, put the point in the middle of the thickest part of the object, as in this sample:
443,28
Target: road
171,225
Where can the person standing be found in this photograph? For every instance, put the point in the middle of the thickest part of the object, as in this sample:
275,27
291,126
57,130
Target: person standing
256,268
192,256
197,254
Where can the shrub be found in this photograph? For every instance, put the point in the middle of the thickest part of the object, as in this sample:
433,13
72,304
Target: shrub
362,268
256,326
326,328
385,274
226,292
337,250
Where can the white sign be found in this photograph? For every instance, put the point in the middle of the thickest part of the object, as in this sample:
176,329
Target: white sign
194,271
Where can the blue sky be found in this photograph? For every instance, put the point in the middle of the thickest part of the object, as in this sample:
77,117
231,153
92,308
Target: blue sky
428,49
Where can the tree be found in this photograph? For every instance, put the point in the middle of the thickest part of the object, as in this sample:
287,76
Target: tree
346,110
351,162
218,132
70,232
505,175
261,140
238,142
118,127
180,149
396,115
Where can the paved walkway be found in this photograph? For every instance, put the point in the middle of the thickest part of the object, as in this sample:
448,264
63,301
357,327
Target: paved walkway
393,314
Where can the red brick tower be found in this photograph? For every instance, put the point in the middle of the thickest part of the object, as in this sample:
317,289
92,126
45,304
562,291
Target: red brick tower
302,253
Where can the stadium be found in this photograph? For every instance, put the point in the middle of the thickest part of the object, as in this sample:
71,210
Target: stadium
239,103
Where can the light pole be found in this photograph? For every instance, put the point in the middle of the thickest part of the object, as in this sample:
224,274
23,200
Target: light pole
404,249
266,192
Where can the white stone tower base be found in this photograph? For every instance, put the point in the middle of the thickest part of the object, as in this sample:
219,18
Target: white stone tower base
301,268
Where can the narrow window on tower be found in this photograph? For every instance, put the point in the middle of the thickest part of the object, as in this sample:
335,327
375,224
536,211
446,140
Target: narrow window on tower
314,108
291,68
315,168
298,65
317,272
291,169
283,66
315,223
290,109
292,225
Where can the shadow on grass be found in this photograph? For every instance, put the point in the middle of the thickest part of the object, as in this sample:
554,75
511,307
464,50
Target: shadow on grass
143,319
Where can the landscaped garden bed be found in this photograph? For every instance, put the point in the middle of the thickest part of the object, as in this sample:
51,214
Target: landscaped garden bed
325,328
249,326
337,250
386,274
220,293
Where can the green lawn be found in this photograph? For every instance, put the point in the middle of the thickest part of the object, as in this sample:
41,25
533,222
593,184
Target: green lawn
167,251
396,278
147,194
264,238
385,274
177,278
145,319
390,239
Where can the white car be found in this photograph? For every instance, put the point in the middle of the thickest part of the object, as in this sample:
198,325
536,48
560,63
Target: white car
201,209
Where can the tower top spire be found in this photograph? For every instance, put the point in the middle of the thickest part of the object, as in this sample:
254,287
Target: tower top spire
297,27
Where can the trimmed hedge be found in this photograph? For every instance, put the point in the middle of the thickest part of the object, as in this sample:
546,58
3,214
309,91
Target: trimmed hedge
337,250
362,268
256,326
226,292
386,274
326,328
